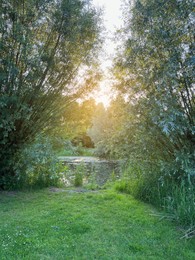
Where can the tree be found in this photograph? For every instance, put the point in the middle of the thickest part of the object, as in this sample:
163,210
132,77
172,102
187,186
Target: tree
155,71
43,44
75,121
106,127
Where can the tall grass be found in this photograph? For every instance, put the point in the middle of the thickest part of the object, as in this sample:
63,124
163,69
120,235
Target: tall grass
180,202
177,198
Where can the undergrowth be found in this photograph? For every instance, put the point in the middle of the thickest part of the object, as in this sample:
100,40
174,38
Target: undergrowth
176,198
36,166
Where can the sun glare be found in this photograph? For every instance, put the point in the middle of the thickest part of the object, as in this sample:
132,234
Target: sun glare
103,99
104,94
112,20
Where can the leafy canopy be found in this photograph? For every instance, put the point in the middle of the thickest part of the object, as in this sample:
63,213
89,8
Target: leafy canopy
43,44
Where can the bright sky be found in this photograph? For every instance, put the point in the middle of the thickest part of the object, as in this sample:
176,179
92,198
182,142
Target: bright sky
112,21
112,12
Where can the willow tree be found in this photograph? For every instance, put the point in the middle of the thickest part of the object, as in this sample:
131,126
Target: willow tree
43,44
156,70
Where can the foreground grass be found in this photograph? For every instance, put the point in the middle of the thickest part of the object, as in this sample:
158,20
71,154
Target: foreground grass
88,225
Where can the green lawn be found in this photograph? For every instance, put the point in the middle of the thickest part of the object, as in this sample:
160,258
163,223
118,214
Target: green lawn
85,225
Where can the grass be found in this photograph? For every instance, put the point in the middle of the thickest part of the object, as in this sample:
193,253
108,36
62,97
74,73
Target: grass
66,224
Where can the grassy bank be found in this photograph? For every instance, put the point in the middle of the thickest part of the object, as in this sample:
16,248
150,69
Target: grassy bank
67,224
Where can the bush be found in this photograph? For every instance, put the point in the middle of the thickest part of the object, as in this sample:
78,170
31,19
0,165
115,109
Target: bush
37,166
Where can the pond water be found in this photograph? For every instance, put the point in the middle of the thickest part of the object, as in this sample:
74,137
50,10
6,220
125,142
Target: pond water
94,170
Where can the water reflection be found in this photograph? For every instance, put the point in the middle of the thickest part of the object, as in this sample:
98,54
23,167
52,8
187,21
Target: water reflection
93,170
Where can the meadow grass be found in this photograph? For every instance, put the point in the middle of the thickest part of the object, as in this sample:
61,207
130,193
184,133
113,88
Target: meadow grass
68,224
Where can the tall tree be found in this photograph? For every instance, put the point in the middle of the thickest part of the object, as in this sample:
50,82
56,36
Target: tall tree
43,44
156,71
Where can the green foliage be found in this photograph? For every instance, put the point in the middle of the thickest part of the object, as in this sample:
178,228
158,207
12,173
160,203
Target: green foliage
43,46
101,150
78,180
156,72
154,126
123,186
140,182
78,175
179,201
78,117
176,198
82,151
66,149
106,128
70,150
36,166
93,186
100,131
99,124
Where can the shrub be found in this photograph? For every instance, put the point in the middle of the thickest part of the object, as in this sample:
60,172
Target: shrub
37,166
